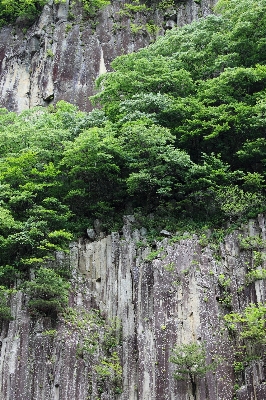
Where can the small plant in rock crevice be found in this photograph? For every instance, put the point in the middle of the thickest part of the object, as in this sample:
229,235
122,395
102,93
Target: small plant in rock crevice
170,267
154,254
226,297
50,53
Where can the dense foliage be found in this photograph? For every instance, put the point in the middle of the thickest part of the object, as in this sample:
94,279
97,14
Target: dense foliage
28,10
180,137
10,10
189,111
48,293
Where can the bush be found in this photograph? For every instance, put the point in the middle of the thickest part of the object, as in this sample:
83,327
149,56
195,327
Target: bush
5,312
92,6
48,293
250,323
8,275
10,10
190,359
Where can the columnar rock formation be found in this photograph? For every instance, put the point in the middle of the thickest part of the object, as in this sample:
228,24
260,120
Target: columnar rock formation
175,298
61,55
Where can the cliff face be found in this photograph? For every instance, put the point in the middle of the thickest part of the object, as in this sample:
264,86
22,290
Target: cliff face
174,299
61,55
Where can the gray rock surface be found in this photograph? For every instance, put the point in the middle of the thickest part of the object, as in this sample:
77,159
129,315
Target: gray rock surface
61,55
174,299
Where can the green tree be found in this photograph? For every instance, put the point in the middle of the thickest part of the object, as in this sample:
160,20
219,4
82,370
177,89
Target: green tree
34,221
190,362
48,293
154,169
92,163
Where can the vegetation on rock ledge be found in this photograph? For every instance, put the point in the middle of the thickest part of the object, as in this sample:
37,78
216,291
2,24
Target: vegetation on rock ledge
28,10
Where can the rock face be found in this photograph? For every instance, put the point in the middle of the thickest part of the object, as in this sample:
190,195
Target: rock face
173,294
61,55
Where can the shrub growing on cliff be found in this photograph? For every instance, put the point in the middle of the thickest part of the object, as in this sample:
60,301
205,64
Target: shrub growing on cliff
250,323
28,10
10,10
92,6
48,293
109,373
5,312
190,362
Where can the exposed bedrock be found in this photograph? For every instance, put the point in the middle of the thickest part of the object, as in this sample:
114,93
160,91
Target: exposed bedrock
174,299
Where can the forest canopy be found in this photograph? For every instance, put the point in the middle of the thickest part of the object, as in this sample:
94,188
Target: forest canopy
177,137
